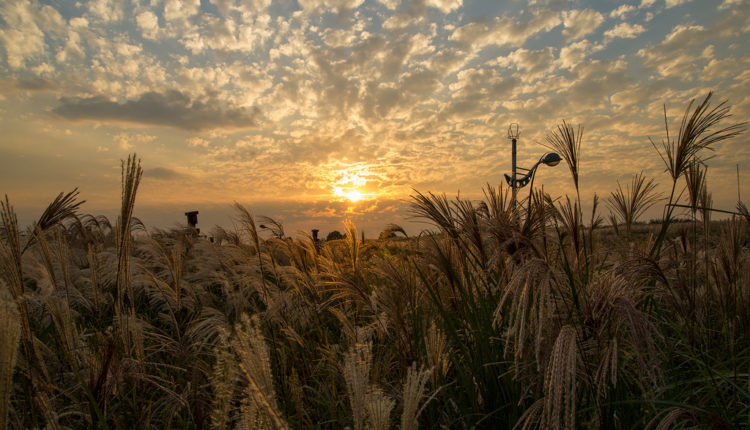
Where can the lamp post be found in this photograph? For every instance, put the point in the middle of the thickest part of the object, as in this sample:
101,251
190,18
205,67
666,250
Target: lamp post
549,159
513,136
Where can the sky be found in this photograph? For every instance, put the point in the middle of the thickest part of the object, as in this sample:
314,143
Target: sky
316,111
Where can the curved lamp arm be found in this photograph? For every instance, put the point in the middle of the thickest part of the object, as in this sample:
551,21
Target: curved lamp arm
550,159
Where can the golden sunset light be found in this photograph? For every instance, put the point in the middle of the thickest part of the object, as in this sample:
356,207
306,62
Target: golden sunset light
374,214
300,107
352,184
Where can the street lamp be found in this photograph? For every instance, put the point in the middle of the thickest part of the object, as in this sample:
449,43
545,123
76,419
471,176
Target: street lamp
275,232
549,159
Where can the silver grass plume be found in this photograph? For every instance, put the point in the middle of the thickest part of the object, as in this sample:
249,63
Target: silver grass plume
698,131
525,309
356,368
10,335
438,351
247,221
566,141
606,373
250,346
379,407
560,383
412,397
131,178
222,382
670,418
296,392
629,204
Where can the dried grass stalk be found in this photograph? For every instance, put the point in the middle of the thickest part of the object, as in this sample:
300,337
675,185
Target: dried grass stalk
10,335
628,205
566,141
699,131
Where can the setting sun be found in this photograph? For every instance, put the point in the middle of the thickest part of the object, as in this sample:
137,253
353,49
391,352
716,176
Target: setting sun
352,184
353,196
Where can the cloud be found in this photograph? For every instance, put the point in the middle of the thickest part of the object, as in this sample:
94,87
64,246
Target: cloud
337,5
169,109
196,141
504,31
673,3
126,141
533,64
106,10
149,24
623,11
672,56
177,13
445,6
21,36
163,173
9,86
579,23
731,66
576,52
624,30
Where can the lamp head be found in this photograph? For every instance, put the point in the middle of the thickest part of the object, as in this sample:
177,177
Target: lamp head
513,131
551,159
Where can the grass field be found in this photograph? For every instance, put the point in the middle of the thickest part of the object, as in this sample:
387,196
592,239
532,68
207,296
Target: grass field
501,316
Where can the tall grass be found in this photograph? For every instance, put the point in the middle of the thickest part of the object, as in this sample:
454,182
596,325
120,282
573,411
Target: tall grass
497,316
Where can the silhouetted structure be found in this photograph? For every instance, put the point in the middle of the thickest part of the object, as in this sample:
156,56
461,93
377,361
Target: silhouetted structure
550,159
316,241
192,220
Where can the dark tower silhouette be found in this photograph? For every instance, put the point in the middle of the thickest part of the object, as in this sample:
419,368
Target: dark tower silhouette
192,220
316,241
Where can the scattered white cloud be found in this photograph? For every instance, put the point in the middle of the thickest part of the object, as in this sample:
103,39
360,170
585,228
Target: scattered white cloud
177,13
673,57
724,68
198,141
445,6
533,64
623,11
505,31
732,3
624,30
149,24
127,141
21,36
574,53
579,23
336,5
106,10
673,3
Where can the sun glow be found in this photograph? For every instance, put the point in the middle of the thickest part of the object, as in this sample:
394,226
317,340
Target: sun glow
352,184
353,196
